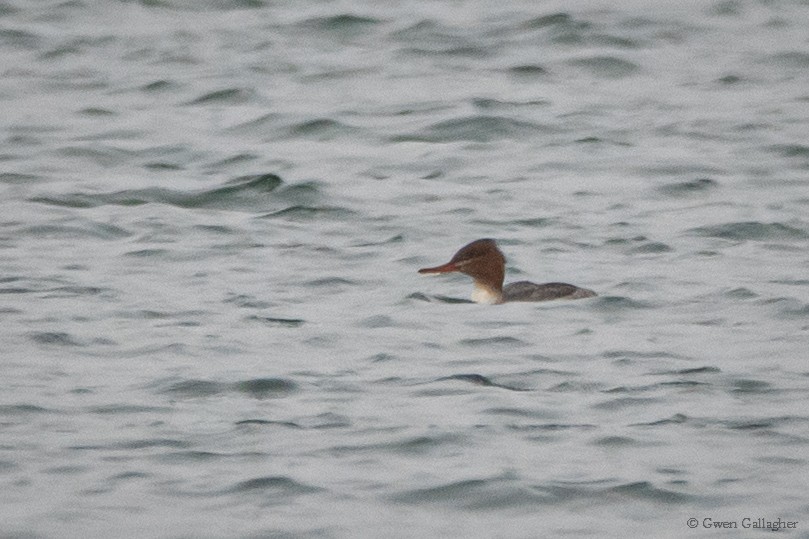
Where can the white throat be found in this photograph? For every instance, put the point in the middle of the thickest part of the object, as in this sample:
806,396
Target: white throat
484,294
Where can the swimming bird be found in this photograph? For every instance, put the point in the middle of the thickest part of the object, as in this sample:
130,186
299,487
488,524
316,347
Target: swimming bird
485,263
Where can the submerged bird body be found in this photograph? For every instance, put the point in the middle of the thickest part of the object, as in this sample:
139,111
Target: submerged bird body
484,262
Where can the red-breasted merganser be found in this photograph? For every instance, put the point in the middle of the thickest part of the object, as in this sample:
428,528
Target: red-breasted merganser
485,263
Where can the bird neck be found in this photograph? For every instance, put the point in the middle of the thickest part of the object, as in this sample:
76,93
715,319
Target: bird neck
484,293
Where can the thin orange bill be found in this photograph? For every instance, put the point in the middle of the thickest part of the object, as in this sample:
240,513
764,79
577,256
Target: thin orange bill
446,268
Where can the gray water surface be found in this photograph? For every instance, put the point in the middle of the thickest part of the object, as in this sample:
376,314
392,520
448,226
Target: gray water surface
212,215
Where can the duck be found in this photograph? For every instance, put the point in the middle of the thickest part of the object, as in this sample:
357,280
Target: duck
484,261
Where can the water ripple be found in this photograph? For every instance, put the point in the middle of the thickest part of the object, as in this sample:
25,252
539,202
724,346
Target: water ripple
275,486
606,66
752,230
479,380
244,193
257,388
477,128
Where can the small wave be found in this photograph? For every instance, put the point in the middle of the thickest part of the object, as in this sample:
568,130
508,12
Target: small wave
487,103
126,476
433,39
652,247
378,321
13,178
242,193
275,485
277,322
157,86
502,492
150,314
521,413
115,409
644,490
419,296
105,156
439,298
576,387
560,19
422,444
788,59
233,160
382,357
213,5
344,22
730,79
20,39
81,230
606,66
634,354
266,388
683,383
742,386
694,370
750,424
162,165
417,445
54,338
226,96
459,49
624,402
189,456
151,442
767,424
640,491
306,213
328,420
676,419
331,282
477,128
16,290
145,443
259,126
259,388
552,427
799,311
751,230
478,380
420,31
616,441
22,409
740,293
74,291
531,222
697,186
528,70
618,303
195,388
322,129
269,422
473,494
511,342
791,150
790,282
564,29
